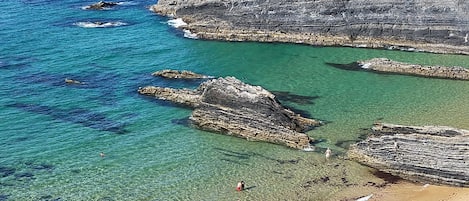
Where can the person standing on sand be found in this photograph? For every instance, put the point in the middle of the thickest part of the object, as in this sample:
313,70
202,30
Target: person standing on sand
328,153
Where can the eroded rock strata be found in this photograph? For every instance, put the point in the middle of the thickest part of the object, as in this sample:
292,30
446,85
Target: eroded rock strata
420,25
231,107
389,66
175,74
433,154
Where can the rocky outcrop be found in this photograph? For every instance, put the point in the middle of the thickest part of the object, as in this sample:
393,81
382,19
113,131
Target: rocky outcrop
71,81
433,154
101,5
420,25
231,107
174,74
389,66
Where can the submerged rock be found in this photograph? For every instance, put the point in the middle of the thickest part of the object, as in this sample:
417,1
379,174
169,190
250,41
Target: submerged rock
174,74
389,66
232,107
101,5
435,154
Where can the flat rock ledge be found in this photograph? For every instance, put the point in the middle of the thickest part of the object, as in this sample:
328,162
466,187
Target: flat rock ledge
389,66
434,154
229,106
175,74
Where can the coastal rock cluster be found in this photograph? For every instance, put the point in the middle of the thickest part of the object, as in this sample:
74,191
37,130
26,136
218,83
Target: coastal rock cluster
434,154
421,25
231,107
389,66
101,5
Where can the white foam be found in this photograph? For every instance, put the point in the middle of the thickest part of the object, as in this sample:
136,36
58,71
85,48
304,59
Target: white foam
366,66
88,7
310,148
100,25
178,22
127,3
189,34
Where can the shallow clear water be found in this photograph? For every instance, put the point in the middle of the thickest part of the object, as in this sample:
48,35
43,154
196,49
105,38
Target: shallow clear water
52,133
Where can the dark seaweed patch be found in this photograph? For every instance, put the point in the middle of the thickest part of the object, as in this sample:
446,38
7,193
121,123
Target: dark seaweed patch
388,178
184,121
16,62
4,197
292,161
81,116
46,167
24,176
6,171
354,66
49,198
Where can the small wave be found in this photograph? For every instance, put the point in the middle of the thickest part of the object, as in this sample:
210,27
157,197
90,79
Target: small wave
127,3
88,8
176,23
100,24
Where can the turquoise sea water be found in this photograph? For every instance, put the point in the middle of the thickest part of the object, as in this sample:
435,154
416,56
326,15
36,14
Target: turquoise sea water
51,133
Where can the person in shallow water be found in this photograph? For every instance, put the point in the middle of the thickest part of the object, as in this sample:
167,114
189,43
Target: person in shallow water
240,186
328,153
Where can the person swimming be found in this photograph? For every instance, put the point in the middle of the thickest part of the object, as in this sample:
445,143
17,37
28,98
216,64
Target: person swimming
240,186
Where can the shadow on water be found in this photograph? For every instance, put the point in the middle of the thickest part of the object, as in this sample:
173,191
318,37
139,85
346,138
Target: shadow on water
346,143
294,98
354,66
238,157
80,116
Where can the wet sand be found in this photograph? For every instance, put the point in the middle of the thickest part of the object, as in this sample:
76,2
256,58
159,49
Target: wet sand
418,192
407,191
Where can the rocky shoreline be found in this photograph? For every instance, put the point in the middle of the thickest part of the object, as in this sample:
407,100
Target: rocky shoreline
412,26
435,154
388,66
229,106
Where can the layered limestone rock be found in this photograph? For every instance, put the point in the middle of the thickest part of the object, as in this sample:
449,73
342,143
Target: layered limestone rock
420,25
389,66
433,154
232,107
175,74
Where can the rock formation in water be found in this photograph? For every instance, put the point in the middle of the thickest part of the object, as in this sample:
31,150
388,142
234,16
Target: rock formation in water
101,5
231,107
419,25
174,74
389,66
433,154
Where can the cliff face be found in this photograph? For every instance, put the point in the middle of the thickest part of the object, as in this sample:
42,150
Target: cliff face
429,25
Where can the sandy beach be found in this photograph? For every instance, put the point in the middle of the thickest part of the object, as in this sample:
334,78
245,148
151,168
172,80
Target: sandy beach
407,191
418,192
